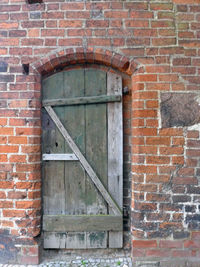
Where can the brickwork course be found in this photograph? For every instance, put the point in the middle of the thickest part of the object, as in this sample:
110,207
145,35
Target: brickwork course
155,46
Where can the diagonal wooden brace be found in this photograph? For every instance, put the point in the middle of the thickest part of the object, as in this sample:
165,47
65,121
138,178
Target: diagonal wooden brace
106,195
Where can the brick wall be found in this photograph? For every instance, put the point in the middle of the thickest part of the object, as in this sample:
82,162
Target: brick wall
157,45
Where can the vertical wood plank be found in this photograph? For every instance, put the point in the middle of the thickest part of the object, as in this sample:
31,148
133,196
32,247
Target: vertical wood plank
53,142
54,240
76,240
53,172
96,150
115,153
74,122
67,188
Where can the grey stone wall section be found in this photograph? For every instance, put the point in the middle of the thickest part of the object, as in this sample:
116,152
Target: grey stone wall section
179,109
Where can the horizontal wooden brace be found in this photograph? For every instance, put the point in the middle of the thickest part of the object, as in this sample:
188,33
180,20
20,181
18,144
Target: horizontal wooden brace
82,100
74,223
59,157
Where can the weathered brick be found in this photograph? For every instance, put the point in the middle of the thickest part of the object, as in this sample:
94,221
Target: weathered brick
144,243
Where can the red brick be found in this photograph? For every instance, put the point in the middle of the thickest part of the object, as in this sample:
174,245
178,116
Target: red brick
6,131
157,178
157,160
144,132
72,6
17,158
185,180
53,32
9,149
144,113
171,132
116,14
32,24
144,243
171,150
161,6
6,185
182,61
158,141
193,152
3,140
17,140
196,235
144,187
132,23
193,2
152,123
147,78
7,224
170,225
2,195
144,169
70,42
28,131
30,149
3,158
77,14
28,204
145,95
70,23
181,253
192,134
16,195
158,253
141,14
13,213
27,185
137,122
32,42
192,244
27,167
6,204
163,41
138,252
79,32
162,24
170,244
99,41
34,194
178,160
144,149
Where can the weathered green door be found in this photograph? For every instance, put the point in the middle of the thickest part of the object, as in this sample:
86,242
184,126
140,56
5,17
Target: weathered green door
82,159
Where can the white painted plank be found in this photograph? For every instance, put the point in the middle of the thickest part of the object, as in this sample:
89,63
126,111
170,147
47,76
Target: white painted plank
59,157
115,152
85,164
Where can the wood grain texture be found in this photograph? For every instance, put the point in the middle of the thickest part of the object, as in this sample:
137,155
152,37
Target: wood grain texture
115,153
84,162
53,142
96,147
85,186
70,223
82,100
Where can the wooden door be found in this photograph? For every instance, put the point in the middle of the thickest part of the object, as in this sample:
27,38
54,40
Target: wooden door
82,159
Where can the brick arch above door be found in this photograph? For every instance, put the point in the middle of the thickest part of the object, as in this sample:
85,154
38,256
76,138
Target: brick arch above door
62,59
58,60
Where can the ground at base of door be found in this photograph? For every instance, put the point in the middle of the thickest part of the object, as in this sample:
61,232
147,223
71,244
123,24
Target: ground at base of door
81,262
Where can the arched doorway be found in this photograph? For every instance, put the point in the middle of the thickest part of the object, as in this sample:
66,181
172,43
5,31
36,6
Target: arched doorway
82,159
